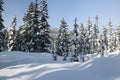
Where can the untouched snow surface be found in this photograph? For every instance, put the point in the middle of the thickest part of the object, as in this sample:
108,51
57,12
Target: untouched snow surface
32,66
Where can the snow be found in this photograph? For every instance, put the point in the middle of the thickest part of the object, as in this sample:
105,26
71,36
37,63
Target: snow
40,66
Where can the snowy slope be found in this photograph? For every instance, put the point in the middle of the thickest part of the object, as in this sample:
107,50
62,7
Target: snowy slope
32,66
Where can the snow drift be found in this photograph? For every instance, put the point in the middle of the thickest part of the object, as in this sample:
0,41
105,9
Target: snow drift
32,66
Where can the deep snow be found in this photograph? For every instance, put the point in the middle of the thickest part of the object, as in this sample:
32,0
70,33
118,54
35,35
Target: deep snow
33,66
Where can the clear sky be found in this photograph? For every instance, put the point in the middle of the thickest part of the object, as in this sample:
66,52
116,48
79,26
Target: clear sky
68,9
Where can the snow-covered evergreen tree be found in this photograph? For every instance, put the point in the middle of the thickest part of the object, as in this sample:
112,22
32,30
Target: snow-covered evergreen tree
110,37
74,43
5,38
118,39
114,40
105,39
62,43
1,10
36,30
95,34
19,39
30,29
45,39
53,34
96,30
23,37
12,46
1,27
100,45
89,37
82,40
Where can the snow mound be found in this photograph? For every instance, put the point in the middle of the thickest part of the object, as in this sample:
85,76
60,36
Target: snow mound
33,66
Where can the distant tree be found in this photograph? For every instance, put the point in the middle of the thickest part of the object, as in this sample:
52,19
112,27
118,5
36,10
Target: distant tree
95,29
118,39
89,37
5,38
19,39
110,37
12,46
100,45
114,40
1,27
95,34
105,39
82,38
53,34
62,43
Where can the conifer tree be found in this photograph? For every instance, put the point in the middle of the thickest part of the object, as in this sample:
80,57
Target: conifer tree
96,30
12,46
110,37
1,10
30,28
95,34
19,39
5,38
45,39
23,37
100,45
62,39
1,27
53,34
105,39
114,40
89,36
75,44
82,40
118,39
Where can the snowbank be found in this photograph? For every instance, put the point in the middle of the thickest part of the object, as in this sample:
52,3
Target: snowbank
32,66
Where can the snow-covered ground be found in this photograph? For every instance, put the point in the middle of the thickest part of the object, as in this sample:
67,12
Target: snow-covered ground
32,66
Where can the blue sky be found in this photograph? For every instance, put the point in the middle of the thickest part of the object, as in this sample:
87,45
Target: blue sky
68,9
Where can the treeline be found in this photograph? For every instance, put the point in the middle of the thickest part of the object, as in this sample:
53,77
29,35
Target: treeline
36,35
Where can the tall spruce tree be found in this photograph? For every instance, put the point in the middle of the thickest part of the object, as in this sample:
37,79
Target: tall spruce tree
82,40
110,37
95,34
74,43
30,29
12,46
1,10
23,33
45,39
62,39
82,37
1,27
105,39
89,36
